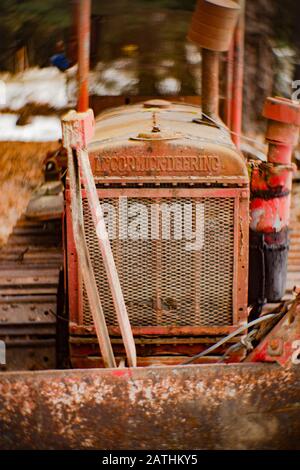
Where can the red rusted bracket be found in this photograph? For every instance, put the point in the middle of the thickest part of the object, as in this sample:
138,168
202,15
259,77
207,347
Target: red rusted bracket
282,344
77,131
74,138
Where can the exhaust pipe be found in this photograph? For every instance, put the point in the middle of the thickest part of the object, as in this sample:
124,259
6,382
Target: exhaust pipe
212,29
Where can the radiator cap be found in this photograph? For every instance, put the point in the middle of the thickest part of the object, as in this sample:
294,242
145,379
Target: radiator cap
160,104
156,134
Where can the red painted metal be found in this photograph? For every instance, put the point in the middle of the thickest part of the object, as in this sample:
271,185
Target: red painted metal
271,182
73,147
280,153
78,129
270,215
163,330
282,344
116,158
238,75
83,55
108,259
282,110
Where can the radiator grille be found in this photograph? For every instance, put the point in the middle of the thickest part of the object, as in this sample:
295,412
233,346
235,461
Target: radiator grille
163,283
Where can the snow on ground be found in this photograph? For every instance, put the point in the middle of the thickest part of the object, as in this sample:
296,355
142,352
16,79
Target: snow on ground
41,129
49,86
192,54
169,86
115,78
58,90
35,85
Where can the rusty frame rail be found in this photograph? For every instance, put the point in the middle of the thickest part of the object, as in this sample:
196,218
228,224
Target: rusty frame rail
85,263
242,406
77,131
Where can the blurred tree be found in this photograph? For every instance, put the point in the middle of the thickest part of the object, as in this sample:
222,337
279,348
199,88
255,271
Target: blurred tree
173,4
34,24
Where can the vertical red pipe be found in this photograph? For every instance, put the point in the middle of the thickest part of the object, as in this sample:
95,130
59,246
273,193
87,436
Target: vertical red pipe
238,76
83,54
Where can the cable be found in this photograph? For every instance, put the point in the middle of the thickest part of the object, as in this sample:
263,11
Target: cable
227,338
245,342
222,127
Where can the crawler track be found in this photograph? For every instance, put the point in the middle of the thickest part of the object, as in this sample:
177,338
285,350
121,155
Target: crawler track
29,274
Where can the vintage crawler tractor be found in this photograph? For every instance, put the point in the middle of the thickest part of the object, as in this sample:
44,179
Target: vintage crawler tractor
162,214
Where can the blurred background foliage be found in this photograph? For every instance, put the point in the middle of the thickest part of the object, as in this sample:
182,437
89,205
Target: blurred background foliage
38,24
143,43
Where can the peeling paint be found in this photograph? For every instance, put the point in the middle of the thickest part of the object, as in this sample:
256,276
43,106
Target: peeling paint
242,406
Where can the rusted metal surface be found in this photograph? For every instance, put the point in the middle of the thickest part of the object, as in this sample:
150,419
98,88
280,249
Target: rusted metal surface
84,351
194,407
102,103
270,215
271,182
210,83
159,283
213,24
74,138
157,103
78,155
108,259
283,120
29,277
137,289
83,55
30,354
229,82
204,154
282,344
271,185
238,76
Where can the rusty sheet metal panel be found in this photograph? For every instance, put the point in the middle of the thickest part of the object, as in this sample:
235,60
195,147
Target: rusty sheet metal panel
196,153
193,407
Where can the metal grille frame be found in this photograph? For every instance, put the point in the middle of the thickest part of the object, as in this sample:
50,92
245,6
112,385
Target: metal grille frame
240,200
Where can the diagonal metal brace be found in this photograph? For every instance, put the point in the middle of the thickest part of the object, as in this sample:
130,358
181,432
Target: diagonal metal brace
77,131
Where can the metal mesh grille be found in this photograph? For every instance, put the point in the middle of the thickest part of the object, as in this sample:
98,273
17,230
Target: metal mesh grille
163,283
